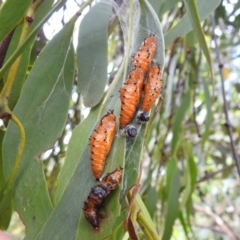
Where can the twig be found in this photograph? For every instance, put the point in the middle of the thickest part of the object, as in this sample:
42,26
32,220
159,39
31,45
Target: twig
218,220
213,228
211,175
227,124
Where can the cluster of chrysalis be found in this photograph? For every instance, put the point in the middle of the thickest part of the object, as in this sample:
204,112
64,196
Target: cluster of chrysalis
131,92
102,137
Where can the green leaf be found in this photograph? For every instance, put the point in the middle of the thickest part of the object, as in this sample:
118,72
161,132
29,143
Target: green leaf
145,220
193,14
190,40
75,179
156,4
193,172
5,219
189,213
182,220
118,230
150,200
43,9
190,177
75,182
172,187
11,12
149,23
205,8
167,5
111,207
42,109
92,57
181,113
209,115
28,40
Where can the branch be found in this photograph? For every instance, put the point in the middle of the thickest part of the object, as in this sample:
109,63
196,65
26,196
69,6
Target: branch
213,228
227,124
218,220
211,175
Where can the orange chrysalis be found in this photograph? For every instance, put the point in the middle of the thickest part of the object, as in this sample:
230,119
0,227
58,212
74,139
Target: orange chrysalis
130,95
100,143
142,59
152,89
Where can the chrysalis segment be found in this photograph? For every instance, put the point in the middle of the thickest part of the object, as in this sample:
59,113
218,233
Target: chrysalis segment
142,59
98,195
130,95
152,90
101,142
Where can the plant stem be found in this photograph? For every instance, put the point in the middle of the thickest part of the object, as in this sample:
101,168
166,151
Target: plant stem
20,148
146,228
28,19
228,123
211,175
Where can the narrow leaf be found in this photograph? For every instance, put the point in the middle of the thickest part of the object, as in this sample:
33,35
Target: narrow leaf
197,29
6,217
42,108
111,207
181,112
92,57
190,176
147,217
173,185
76,180
205,7
28,40
150,24
167,5
72,194
209,115
185,227
11,12
24,63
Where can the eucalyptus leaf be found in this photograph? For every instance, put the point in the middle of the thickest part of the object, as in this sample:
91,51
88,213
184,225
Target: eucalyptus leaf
92,57
42,10
173,186
205,7
193,14
76,179
11,12
181,112
149,23
42,109
28,40
167,5
209,115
